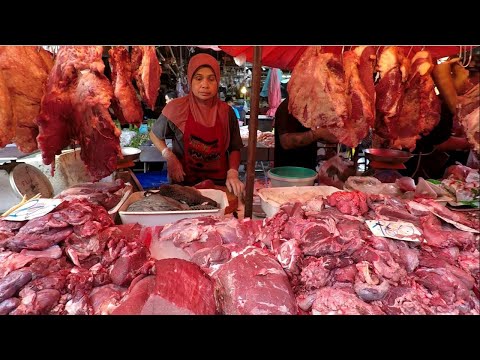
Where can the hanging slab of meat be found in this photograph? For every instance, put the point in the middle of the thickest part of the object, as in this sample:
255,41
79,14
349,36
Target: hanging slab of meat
7,124
126,104
366,69
420,111
75,110
147,72
468,115
317,90
25,70
360,101
94,128
393,67
55,118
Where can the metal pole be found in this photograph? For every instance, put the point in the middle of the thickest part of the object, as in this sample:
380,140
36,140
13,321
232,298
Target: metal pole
252,129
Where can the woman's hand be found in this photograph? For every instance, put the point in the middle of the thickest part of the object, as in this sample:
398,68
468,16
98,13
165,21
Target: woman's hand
233,183
174,166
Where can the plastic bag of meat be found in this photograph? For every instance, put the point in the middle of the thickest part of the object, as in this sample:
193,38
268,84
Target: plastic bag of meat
335,171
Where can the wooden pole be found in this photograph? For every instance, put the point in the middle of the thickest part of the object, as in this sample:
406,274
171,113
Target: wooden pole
252,129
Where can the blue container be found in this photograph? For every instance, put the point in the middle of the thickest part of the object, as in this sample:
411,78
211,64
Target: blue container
143,129
152,179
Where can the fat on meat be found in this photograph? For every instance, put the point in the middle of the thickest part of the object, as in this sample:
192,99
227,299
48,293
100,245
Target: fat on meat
317,90
24,71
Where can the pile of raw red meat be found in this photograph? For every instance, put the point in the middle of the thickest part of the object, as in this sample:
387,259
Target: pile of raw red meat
314,258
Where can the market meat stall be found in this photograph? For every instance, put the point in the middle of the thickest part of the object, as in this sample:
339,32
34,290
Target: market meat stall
370,248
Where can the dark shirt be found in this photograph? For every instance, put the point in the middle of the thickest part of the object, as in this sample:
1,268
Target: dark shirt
305,156
433,164
165,129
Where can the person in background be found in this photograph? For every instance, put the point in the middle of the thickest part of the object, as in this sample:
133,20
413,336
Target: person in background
229,101
296,145
170,95
204,130
437,150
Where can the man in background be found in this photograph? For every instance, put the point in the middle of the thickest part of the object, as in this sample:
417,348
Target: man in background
229,101
170,95
296,145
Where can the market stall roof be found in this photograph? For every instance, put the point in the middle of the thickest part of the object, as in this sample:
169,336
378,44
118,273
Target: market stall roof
285,57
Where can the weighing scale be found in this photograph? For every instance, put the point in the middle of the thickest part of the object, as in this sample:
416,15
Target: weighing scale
387,159
19,179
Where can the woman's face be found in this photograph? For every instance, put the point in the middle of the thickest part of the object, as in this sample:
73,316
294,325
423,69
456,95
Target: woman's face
167,99
204,83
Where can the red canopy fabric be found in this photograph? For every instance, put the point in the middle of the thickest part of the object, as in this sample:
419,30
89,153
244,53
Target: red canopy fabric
285,57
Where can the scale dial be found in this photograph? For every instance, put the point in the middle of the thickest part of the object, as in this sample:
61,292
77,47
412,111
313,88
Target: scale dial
30,181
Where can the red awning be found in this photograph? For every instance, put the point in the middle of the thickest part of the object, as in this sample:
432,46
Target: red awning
285,57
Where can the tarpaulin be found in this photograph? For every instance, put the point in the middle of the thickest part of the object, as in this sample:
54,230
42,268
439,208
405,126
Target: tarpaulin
264,91
285,57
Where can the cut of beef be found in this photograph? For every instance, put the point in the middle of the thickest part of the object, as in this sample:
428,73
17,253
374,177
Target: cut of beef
24,72
331,301
106,194
133,302
7,124
181,287
127,106
147,72
317,91
75,109
468,115
8,305
254,283
361,100
420,111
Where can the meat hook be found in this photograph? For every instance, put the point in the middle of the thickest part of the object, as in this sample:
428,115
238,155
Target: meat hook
464,56
409,51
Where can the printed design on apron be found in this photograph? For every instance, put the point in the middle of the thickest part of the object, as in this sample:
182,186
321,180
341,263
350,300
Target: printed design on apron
203,151
204,157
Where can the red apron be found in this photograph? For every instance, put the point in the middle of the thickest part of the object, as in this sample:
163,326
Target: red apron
204,156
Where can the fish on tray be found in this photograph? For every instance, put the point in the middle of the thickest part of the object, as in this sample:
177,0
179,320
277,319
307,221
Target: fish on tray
154,201
157,202
187,195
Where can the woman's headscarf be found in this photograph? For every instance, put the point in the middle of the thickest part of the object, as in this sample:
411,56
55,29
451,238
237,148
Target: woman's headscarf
204,112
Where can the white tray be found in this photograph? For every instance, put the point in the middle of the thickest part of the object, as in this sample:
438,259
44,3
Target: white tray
153,218
271,199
